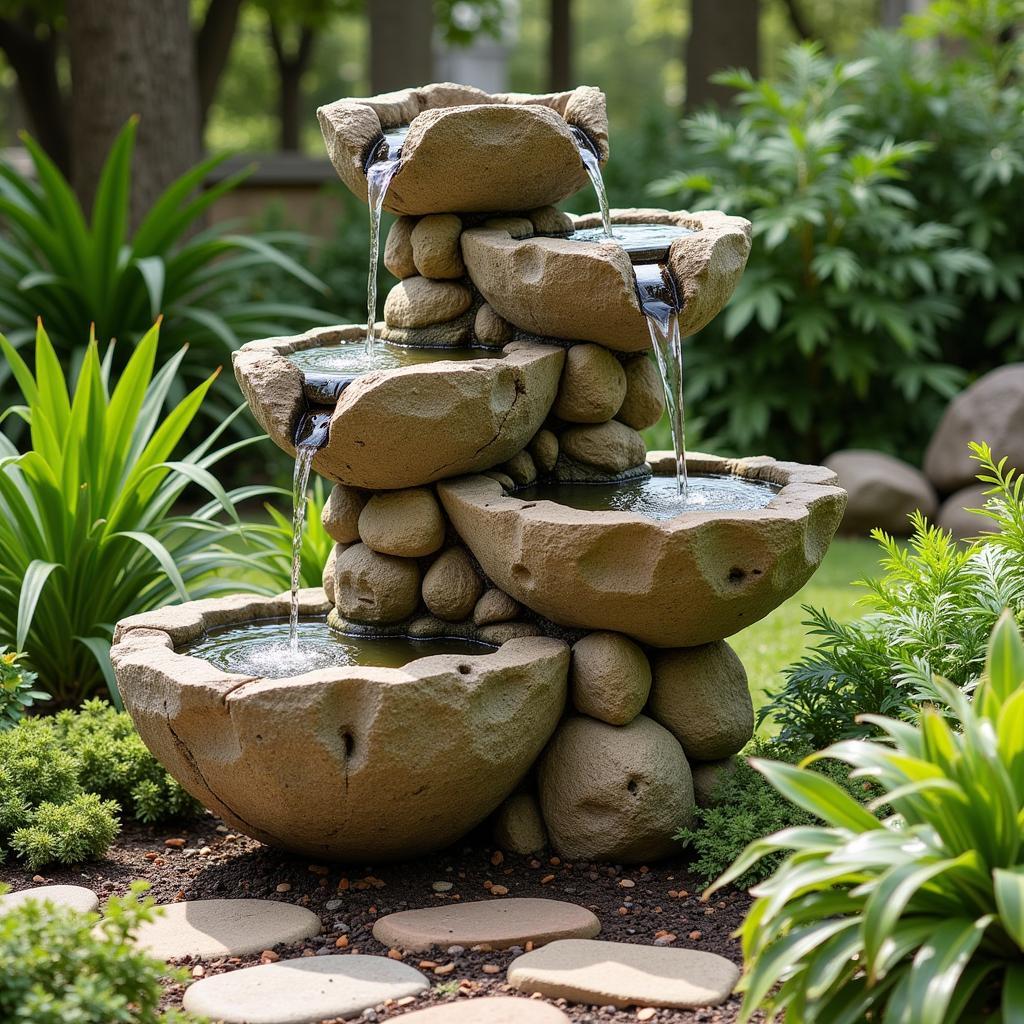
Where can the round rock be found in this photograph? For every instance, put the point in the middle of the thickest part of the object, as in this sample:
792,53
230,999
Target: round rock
614,793
544,449
420,302
645,399
624,974
549,220
518,826
406,523
495,606
303,990
398,256
341,513
330,568
451,586
592,387
499,923
369,587
708,777
956,516
491,329
612,446
700,695
435,246
610,677
74,897
521,468
214,928
499,1010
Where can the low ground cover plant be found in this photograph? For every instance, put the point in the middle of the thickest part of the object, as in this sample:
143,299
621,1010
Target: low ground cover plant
18,690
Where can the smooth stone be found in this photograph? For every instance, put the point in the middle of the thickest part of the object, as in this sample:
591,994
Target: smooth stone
700,695
521,468
491,329
421,302
435,246
544,449
609,678
398,255
499,923
330,568
610,446
499,632
341,512
624,974
369,587
303,990
708,776
954,513
407,523
549,220
517,227
74,897
644,403
592,387
214,928
518,825
489,1010
451,586
495,606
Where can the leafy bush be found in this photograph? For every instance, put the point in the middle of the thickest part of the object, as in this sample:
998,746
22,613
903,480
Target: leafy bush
276,536
88,533
59,966
17,688
919,917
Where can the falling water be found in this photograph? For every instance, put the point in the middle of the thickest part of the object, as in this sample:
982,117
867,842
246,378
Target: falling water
660,305
588,154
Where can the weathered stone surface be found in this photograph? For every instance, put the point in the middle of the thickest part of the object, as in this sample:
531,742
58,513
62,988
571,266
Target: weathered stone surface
700,695
707,776
518,826
527,280
517,227
495,606
421,302
645,399
501,632
883,491
435,246
457,333
398,256
451,586
612,446
408,523
74,897
544,449
375,754
610,677
212,928
491,329
272,387
549,220
341,513
593,385
673,583
991,410
614,793
330,568
499,923
624,974
489,1010
303,990
370,587
521,469
954,513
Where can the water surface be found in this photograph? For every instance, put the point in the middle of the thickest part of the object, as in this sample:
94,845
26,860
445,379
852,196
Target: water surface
645,243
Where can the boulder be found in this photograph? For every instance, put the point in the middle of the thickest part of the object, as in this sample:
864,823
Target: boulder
518,826
954,513
612,447
990,410
708,776
544,449
435,246
593,385
330,568
490,329
645,398
883,491
517,227
610,678
614,793
521,469
408,523
374,588
421,302
495,606
341,511
700,695
398,257
549,220
451,586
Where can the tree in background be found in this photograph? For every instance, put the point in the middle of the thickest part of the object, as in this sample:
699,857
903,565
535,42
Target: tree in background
560,74
723,34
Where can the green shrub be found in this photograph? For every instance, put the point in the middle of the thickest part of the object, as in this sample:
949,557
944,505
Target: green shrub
917,918
58,966
17,688
89,532
276,536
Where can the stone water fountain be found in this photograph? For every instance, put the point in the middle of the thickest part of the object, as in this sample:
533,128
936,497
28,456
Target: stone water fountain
523,618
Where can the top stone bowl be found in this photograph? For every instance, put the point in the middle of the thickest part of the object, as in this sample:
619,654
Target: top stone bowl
468,151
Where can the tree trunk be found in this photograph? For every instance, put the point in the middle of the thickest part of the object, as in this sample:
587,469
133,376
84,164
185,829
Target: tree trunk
401,43
133,57
723,34
560,46
213,47
291,68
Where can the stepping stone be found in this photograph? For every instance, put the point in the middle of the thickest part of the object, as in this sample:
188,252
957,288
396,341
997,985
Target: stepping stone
499,1010
622,974
76,897
303,990
498,923
214,928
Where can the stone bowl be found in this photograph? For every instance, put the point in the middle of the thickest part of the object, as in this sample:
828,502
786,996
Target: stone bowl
679,582
386,429
354,763
469,151
532,282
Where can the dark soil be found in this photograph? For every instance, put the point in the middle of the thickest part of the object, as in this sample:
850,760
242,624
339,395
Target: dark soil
664,900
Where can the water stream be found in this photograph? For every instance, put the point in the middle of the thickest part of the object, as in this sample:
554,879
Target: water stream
588,154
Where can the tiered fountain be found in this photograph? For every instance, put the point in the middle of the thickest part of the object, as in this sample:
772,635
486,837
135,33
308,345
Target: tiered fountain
524,613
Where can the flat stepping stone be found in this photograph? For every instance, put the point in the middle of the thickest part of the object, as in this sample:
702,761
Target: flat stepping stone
215,928
303,990
498,923
622,974
499,1010
75,897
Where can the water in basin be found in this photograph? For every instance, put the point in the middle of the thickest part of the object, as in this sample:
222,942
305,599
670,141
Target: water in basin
262,648
645,243
588,154
656,497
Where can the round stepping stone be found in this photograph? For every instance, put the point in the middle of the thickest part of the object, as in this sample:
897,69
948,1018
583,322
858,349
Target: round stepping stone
498,923
303,990
499,1010
76,897
621,974
213,928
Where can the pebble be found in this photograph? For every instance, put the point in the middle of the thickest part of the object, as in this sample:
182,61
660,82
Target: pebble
443,886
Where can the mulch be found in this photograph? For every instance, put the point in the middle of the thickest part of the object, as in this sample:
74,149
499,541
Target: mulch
664,900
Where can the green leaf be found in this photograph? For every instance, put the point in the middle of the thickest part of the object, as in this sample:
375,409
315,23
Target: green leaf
1004,668
36,575
162,555
817,795
1013,994
1009,893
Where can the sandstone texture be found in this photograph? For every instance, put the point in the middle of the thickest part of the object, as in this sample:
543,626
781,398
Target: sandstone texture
548,220
544,449
421,302
496,1010
527,281
494,606
435,246
340,516
521,469
883,492
467,150
610,677
614,793
451,586
407,523
74,897
593,385
375,753
369,587
611,447
954,513
498,923
491,329
645,398
700,695
708,776
518,825
673,583
398,254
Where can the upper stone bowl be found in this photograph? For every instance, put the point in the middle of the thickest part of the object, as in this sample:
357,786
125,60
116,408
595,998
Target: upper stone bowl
468,151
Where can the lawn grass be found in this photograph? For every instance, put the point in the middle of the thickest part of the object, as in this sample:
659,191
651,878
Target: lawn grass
779,639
